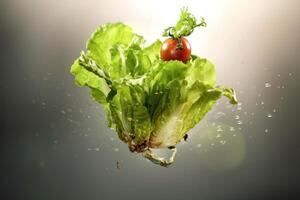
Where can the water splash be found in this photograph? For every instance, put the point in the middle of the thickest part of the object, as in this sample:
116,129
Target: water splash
267,85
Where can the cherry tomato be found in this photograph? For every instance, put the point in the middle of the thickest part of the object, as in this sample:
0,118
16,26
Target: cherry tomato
175,49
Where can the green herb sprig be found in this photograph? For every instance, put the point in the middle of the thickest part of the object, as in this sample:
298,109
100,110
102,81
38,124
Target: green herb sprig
185,25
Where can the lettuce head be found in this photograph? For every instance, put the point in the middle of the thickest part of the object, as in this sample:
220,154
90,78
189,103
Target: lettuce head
150,103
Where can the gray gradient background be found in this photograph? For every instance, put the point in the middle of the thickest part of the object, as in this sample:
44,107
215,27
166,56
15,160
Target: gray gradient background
54,140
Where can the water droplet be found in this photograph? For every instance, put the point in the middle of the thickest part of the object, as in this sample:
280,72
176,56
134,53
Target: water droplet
218,135
219,114
198,145
266,130
116,149
237,117
262,103
239,108
278,75
290,74
97,149
274,110
229,106
231,128
219,129
267,85
42,164
129,119
269,115
63,112
223,142
239,122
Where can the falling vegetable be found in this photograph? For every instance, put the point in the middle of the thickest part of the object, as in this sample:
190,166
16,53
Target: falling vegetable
151,103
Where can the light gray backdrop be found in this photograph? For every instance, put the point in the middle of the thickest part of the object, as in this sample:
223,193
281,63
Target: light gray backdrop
54,140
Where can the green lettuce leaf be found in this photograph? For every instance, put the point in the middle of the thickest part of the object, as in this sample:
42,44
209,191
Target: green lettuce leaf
181,95
108,35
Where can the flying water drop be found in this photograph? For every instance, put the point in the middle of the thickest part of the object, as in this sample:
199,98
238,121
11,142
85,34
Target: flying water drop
266,130
267,85
222,142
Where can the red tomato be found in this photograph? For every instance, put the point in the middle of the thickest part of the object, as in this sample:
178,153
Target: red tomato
175,49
